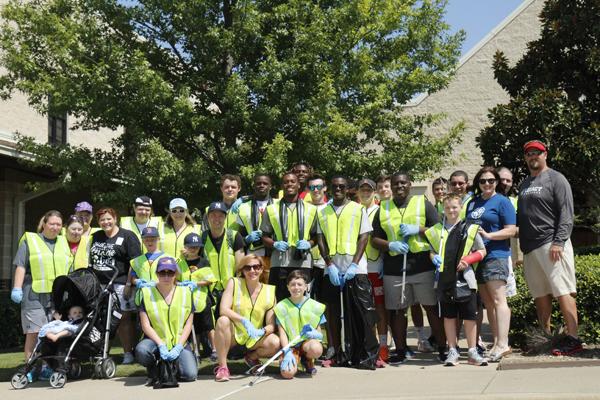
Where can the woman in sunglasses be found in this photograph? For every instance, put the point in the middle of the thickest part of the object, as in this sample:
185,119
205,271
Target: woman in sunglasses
247,320
495,214
166,317
178,224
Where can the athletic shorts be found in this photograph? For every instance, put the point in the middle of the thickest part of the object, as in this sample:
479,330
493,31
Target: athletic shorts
328,293
377,284
466,310
546,277
495,269
36,309
418,289
203,321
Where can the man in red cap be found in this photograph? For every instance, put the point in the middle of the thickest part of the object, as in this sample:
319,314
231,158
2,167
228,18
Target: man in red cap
545,220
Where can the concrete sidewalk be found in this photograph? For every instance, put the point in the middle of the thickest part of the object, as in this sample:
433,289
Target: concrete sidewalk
418,379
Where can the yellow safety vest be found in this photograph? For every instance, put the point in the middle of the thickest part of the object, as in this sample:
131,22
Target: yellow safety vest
173,243
341,233
44,264
245,214
293,318
230,220
390,218
310,212
168,320
201,274
371,252
156,222
222,263
255,313
434,234
514,201
465,203
63,231
146,270
81,258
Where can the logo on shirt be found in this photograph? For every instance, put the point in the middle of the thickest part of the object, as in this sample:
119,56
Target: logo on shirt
532,190
477,213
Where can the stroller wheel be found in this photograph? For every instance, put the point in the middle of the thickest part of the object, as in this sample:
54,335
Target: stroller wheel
19,381
58,380
75,370
108,368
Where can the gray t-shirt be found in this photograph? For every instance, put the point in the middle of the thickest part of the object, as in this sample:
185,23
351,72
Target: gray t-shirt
22,256
544,210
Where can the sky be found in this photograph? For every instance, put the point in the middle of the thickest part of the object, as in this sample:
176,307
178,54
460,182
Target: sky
477,17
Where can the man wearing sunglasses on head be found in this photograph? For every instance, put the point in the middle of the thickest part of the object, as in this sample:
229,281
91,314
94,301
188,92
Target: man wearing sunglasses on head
545,221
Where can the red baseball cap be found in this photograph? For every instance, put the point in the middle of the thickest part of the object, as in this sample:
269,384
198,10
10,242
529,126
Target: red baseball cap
534,144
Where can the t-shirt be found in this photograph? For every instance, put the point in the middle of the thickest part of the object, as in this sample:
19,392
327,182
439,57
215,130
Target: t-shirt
415,262
544,210
492,215
343,261
238,241
374,266
106,254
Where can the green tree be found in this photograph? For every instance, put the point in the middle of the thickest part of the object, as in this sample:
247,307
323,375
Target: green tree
208,86
555,97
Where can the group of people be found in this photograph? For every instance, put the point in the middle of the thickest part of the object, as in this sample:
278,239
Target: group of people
261,273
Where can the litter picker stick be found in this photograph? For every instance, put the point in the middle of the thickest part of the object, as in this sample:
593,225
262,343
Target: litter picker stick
262,368
195,340
437,269
403,276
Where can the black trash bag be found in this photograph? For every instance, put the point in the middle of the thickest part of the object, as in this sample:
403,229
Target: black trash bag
166,374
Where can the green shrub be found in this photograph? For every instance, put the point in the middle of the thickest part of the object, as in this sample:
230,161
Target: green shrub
585,251
587,270
10,324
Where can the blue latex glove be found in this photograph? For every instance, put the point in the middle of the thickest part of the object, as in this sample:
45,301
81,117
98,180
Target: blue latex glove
334,275
409,230
281,246
289,361
398,247
191,284
351,271
235,207
253,236
437,260
175,352
164,352
310,333
303,245
251,329
16,295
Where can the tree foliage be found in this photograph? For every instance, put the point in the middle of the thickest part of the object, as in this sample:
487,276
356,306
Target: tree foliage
555,97
211,86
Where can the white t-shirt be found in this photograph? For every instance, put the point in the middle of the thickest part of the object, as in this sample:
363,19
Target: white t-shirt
377,265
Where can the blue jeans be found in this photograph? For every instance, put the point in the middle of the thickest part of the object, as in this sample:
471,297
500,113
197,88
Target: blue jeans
146,353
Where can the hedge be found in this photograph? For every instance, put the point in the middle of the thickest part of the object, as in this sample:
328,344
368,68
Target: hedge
10,323
587,270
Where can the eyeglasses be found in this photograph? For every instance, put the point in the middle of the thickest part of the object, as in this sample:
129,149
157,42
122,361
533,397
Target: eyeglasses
315,187
165,273
255,267
177,210
533,153
489,181
338,187
454,183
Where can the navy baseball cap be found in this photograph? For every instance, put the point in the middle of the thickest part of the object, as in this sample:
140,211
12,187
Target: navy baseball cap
166,264
143,201
192,240
150,231
217,206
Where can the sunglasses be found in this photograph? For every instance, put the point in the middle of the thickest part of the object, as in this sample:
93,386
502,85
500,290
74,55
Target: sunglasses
255,267
533,153
338,187
457,183
166,273
489,181
315,187
177,210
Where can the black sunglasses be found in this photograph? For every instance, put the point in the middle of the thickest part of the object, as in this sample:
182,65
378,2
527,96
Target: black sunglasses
490,181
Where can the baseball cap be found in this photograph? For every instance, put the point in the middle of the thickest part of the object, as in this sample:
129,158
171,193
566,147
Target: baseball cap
534,144
178,202
149,231
217,206
166,264
367,181
143,201
83,206
192,240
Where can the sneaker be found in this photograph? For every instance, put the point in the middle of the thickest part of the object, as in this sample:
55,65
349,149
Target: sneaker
222,374
442,354
409,354
568,346
309,365
452,358
424,346
397,359
250,362
128,358
45,373
480,349
380,363
497,356
384,352
30,376
476,359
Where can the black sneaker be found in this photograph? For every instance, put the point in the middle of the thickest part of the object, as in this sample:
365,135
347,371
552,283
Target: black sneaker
568,346
480,350
397,359
441,354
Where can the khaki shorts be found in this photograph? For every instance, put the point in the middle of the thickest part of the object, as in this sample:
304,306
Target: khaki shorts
418,289
546,277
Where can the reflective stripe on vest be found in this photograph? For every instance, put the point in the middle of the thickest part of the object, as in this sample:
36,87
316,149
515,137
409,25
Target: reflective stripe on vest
341,233
255,313
156,222
514,201
80,259
371,252
44,264
310,212
168,320
200,295
146,270
434,233
245,214
292,318
465,203
222,263
172,242
391,218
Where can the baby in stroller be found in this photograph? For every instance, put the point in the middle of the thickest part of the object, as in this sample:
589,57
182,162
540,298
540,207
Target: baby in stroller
57,329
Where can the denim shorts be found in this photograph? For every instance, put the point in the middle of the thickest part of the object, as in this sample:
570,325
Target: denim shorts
495,269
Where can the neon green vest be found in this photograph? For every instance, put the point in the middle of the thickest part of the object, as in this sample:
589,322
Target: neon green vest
80,259
156,222
292,318
371,252
242,304
168,320
173,243
391,218
310,212
465,203
45,265
245,214
514,201
201,274
146,270
230,220
341,233
222,263
434,234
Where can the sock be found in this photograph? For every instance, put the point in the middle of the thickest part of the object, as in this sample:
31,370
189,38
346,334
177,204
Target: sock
383,340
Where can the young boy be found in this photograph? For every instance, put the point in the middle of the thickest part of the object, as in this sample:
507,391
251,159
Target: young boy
57,329
293,313
456,246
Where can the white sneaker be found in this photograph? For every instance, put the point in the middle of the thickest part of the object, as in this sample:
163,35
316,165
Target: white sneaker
424,346
128,358
452,357
476,359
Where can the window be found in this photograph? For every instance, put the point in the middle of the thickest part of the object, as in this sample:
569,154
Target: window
57,129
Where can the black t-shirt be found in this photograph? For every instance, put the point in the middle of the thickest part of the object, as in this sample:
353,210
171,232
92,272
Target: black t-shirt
238,241
106,254
199,262
415,262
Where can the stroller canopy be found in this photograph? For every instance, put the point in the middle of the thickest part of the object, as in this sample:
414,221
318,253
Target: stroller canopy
81,287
